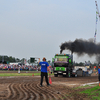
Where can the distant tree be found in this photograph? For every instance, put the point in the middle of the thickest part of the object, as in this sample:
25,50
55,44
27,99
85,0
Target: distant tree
76,64
18,60
79,64
9,59
12,59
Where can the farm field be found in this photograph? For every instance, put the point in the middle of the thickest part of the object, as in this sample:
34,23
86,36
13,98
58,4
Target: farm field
3,71
28,88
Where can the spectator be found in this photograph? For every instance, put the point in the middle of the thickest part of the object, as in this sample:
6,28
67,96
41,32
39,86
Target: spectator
99,74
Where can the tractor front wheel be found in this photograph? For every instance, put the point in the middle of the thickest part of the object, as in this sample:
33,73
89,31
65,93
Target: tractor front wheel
55,75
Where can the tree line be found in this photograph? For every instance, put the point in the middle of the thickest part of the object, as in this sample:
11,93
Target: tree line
9,59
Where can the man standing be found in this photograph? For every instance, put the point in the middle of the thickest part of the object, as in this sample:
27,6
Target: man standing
99,74
19,69
44,68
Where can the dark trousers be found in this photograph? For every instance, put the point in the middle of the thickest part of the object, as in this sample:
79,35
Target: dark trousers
46,77
99,77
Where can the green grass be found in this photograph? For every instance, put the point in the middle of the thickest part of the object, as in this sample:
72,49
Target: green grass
16,74
94,92
21,74
83,86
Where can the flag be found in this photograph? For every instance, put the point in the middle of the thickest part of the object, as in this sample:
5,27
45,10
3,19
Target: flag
97,12
95,34
50,80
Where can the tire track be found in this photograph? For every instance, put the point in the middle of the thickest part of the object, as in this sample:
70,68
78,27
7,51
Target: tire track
60,94
36,95
52,92
50,96
16,94
27,95
32,95
9,93
47,96
12,93
41,96
33,91
24,92
20,93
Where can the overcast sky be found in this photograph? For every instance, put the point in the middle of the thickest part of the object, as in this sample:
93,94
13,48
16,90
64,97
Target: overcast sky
36,28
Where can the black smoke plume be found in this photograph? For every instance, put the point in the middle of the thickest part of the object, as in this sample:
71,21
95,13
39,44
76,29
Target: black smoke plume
80,47
98,59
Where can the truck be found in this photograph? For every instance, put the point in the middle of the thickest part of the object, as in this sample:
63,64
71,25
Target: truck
63,65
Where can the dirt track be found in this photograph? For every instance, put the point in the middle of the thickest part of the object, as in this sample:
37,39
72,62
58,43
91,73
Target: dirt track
27,88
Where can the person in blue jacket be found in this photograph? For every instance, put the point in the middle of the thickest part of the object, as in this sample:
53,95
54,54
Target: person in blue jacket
44,72
99,74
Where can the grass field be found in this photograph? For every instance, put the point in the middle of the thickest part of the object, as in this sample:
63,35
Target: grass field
21,74
94,92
